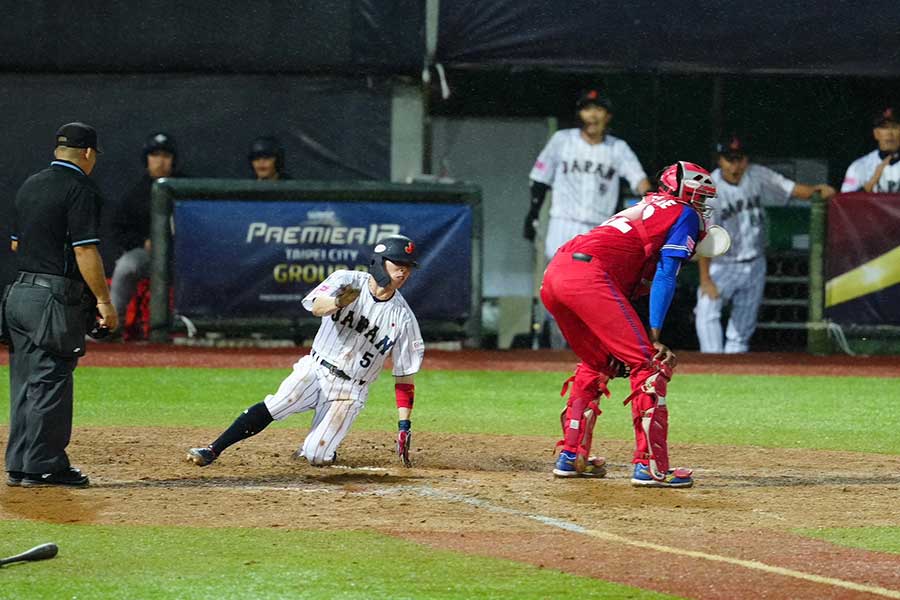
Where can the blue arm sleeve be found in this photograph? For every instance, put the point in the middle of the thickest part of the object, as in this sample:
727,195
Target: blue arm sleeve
663,289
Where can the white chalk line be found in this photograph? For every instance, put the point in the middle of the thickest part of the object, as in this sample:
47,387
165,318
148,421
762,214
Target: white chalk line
611,537
429,492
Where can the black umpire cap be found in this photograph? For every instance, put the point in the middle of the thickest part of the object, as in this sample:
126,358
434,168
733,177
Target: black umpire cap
77,135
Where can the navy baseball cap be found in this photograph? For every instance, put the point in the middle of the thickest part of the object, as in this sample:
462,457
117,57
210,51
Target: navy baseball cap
595,96
77,135
886,115
160,142
731,148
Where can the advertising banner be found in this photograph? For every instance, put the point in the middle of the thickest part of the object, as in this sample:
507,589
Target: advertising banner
258,259
863,259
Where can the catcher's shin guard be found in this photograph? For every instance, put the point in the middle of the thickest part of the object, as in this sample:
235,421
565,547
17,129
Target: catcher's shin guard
655,427
580,415
650,416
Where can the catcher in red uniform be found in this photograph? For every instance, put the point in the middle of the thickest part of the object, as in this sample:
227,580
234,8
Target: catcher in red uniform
588,288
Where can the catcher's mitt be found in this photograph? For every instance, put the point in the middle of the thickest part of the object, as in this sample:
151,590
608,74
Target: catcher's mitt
346,295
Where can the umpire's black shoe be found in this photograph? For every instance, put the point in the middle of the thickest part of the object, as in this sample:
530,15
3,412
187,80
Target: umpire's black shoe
14,478
70,477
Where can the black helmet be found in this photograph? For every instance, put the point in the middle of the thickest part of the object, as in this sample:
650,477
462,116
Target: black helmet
159,142
397,249
267,146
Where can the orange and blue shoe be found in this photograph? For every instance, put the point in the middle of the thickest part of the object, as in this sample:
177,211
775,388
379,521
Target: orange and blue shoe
675,478
565,466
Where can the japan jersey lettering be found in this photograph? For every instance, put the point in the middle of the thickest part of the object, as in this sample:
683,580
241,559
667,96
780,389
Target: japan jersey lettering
360,336
739,209
585,177
862,169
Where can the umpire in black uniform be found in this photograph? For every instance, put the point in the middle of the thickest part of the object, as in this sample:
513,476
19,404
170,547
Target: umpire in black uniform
48,309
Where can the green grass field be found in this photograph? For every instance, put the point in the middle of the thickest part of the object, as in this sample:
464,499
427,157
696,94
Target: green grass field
158,562
165,563
828,413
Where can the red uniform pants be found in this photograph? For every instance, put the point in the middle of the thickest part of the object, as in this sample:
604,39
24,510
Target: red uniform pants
598,321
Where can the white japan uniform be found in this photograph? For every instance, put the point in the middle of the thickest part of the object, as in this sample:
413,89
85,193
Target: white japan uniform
585,182
740,273
355,341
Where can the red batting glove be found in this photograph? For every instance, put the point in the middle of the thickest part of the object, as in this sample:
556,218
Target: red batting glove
404,439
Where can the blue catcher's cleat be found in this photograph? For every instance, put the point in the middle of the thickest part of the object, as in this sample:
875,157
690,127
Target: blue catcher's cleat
675,478
595,466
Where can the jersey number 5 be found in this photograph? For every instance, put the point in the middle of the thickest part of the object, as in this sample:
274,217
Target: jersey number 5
366,359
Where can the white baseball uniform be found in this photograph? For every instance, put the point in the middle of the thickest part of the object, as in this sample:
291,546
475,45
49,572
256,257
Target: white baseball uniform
862,169
347,355
585,182
739,274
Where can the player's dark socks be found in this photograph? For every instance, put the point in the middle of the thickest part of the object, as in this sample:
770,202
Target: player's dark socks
250,422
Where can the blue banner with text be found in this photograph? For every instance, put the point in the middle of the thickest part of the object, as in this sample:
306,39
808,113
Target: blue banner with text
258,259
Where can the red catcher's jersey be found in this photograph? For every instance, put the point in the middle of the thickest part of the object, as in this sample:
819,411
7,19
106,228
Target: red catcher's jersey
628,245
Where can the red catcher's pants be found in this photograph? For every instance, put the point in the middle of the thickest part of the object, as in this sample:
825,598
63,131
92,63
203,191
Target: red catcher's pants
598,320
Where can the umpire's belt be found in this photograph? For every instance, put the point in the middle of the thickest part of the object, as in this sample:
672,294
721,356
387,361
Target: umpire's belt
55,283
334,370
582,257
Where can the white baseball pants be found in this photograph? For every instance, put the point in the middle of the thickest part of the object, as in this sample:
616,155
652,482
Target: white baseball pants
336,402
740,284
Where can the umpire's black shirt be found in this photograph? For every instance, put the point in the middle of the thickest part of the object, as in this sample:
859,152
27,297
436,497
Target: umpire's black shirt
56,210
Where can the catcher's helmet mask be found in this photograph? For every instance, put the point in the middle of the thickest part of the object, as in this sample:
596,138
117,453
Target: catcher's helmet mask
689,183
398,249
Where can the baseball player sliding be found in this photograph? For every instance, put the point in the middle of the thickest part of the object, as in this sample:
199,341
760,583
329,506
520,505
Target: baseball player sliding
739,277
364,319
588,288
583,167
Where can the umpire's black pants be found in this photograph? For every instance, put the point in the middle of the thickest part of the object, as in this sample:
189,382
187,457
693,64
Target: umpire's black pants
40,387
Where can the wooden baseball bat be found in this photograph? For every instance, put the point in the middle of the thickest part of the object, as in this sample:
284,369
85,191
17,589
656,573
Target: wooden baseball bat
42,552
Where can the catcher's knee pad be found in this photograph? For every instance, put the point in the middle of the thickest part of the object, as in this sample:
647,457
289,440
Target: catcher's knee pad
587,383
651,378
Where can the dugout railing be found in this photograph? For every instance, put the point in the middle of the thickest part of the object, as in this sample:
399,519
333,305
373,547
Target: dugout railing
168,193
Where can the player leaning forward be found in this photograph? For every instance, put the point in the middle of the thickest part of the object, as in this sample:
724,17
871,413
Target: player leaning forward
588,287
364,318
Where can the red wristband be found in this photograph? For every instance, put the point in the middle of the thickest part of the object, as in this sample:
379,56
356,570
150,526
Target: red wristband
405,393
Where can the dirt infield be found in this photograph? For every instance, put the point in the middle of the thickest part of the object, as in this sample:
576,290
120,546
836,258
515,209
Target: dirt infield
732,536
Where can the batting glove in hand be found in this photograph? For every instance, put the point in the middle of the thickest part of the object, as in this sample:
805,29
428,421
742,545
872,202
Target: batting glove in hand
404,439
346,294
